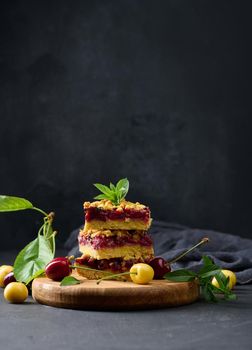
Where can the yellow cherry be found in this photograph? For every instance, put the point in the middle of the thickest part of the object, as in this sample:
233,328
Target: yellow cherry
141,273
231,282
15,292
2,266
4,270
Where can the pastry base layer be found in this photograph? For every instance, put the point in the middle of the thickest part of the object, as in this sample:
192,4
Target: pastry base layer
95,275
127,224
126,252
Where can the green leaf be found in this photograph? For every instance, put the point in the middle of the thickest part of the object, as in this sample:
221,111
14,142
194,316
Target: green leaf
104,189
227,293
222,280
211,273
207,261
180,278
182,275
123,183
182,272
69,281
47,228
208,267
123,187
37,274
205,275
32,259
9,203
113,193
103,196
207,293
231,296
49,234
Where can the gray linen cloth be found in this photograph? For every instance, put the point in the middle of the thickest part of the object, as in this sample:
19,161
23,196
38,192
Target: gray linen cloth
228,251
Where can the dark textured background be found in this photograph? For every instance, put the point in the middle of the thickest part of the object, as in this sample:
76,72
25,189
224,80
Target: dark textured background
158,91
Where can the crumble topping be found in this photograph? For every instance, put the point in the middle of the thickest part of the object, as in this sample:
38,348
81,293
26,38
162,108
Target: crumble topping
108,205
135,234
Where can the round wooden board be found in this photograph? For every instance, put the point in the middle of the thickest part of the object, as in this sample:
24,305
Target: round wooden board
114,295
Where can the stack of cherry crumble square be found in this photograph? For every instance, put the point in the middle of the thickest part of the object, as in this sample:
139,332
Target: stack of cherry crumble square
114,237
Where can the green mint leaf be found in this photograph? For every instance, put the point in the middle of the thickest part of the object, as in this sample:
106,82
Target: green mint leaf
112,187
112,198
104,189
182,275
69,281
32,259
122,187
102,196
113,193
9,203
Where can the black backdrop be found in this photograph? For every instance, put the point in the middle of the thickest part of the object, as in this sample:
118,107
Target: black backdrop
158,91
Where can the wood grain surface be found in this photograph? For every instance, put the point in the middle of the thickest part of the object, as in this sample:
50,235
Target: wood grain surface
114,295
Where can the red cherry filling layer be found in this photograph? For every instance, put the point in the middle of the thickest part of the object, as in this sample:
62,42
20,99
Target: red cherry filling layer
114,264
99,242
94,213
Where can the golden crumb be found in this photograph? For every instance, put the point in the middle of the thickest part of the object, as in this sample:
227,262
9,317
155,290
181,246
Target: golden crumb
108,205
135,234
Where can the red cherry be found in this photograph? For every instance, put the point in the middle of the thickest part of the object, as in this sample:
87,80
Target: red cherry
160,267
9,278
57,269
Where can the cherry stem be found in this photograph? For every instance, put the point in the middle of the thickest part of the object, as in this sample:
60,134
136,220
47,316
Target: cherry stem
203,241
116,275
40,210
71,257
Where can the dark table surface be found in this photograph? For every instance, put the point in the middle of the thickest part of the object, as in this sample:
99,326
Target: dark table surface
200,325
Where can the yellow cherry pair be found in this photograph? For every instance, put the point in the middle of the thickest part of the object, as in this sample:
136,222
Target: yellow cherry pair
14,292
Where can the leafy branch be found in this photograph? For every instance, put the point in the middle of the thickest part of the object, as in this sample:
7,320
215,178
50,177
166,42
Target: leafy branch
204,278
114,193
32,259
